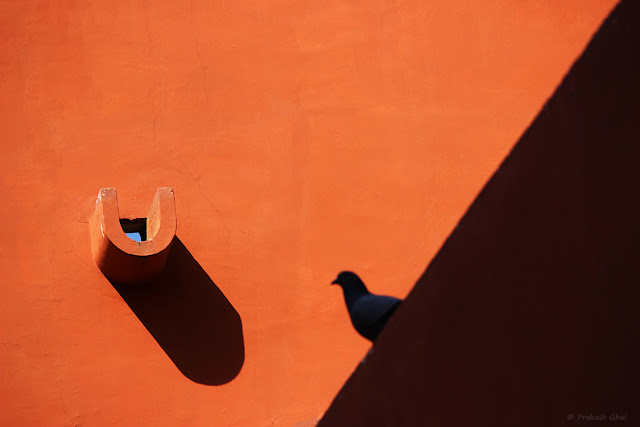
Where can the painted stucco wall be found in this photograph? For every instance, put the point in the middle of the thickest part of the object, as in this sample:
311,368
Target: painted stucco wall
301,138
529,314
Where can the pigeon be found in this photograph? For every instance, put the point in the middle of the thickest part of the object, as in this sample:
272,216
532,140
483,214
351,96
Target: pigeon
369,313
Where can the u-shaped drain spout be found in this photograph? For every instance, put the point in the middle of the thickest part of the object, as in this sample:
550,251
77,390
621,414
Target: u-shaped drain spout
122,259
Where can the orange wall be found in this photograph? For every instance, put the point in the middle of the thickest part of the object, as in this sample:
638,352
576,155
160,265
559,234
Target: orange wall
300,138
528,315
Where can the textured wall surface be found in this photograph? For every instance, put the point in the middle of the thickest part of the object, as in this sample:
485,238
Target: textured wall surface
301,138
529,314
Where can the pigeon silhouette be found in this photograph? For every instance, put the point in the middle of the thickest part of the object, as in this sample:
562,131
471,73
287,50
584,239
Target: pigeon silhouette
369,313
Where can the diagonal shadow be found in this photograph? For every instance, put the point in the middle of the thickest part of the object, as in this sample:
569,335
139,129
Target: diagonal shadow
529,313
190,318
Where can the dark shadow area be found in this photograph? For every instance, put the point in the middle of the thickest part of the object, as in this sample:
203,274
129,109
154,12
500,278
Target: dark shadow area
529,314
190,318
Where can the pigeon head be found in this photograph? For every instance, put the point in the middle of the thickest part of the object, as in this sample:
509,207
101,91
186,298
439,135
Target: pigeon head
349,280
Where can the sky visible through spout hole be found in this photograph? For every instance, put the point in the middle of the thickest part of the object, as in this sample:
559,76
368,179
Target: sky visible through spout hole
135,236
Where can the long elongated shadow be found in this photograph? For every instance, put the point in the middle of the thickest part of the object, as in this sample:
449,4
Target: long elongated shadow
190,318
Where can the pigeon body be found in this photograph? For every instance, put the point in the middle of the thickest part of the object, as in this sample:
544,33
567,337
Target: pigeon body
369,313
